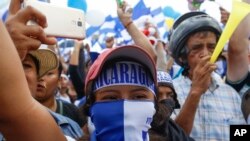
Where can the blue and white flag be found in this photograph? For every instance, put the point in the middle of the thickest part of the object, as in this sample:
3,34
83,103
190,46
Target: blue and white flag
122,120
4,5
159,19
140,9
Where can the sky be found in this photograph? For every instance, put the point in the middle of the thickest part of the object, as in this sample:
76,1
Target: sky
108,7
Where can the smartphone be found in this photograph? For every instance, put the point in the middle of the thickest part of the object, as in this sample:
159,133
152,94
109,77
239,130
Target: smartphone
62,21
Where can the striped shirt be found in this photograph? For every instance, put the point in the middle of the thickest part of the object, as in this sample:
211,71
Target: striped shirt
219,107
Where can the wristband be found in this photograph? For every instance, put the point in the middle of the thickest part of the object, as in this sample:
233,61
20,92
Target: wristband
126,26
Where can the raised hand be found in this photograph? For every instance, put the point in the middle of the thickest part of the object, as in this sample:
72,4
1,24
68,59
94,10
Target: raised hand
26,37
124,12
201,77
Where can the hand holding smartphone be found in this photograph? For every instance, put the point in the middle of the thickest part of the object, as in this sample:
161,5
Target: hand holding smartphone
62,21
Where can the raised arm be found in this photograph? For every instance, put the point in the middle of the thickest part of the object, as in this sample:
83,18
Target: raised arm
238,51
139,38
161,63
75,70
20,114
201,79
26,37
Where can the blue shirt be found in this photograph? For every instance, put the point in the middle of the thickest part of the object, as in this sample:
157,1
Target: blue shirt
69,127
219,107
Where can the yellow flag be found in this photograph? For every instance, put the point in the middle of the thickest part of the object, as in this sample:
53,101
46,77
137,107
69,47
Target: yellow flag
169,22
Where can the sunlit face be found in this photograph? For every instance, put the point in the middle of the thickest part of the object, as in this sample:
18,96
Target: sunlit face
165,92
47,85
30,71
123,92
199,45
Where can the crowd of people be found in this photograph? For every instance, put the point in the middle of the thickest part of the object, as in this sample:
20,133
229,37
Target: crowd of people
157,91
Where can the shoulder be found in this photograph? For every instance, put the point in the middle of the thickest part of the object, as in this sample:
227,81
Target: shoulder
60,119
67,125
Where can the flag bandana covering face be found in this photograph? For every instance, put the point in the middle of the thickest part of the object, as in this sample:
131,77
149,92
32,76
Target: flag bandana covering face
122,120
124,73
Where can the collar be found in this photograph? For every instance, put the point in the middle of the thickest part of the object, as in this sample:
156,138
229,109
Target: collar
215,82
60,120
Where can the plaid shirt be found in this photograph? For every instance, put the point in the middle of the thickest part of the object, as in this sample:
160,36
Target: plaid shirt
219,107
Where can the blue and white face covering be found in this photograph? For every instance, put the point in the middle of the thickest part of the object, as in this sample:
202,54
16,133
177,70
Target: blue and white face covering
122,120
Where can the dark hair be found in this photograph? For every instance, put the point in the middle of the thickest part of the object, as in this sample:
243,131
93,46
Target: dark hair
158,131
60,69
36,62
155,136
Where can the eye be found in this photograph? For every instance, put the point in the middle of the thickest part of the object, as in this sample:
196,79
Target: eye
109,98
50,73
196,47
27,65
170,94
140,96
211,47
107,95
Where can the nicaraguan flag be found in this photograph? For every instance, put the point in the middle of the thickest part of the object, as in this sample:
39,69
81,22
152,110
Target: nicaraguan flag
122,120
108,26
139,10
159,19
